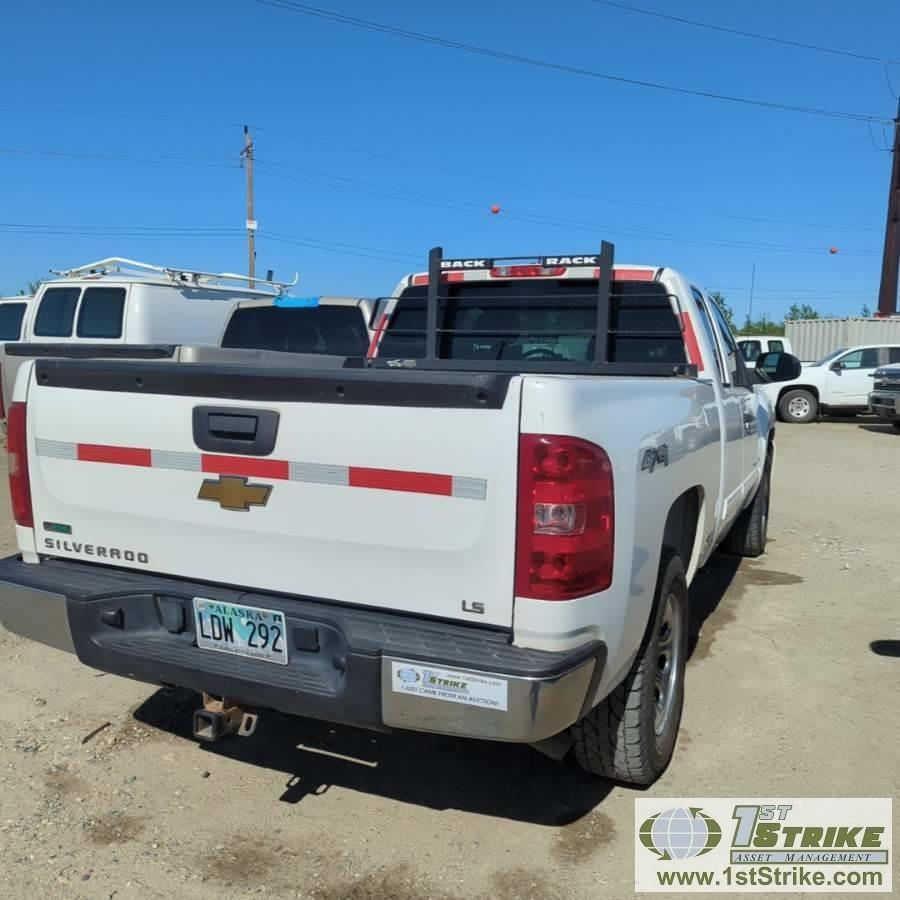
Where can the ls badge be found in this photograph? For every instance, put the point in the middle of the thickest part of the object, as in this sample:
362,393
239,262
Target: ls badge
231,492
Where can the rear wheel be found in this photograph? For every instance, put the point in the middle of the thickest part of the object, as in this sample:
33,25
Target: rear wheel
630,735
749,533
797,406
896,424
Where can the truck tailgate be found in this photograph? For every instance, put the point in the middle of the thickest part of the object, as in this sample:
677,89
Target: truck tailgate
388,489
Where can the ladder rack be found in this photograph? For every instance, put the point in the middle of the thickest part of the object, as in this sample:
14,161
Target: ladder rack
124,266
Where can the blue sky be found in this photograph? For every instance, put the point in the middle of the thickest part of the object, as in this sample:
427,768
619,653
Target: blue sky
595,157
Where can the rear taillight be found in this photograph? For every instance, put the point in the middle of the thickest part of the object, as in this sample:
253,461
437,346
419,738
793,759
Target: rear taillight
566,523
2,401
17,461
527,271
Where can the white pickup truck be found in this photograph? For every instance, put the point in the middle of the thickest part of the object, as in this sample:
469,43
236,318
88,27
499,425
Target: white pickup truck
839,382
487,530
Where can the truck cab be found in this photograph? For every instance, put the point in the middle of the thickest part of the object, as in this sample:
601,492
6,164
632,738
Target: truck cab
753,346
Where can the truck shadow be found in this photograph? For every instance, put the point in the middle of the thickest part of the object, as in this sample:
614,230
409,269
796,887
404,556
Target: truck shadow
507,781
880,429
708,589
885,648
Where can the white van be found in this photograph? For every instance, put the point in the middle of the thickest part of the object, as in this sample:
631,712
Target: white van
754,345
109,307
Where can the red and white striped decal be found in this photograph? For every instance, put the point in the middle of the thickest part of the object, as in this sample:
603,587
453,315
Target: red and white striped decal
276,469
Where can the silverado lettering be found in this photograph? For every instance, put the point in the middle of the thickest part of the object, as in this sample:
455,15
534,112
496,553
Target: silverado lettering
96,550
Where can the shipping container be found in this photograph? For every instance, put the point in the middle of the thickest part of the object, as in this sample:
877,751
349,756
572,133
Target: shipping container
813,338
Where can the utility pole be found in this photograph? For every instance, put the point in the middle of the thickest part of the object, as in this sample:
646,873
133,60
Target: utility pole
752,285
890,263
247,157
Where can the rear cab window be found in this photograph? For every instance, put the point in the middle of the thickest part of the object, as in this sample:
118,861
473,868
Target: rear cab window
750,350
11,316
333,330
537,319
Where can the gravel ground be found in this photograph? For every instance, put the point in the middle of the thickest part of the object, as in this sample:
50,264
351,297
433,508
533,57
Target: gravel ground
792,689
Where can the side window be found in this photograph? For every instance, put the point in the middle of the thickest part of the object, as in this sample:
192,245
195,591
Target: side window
860,359
734,367
708,329
11,315
776,346
894,354
100,315
57,312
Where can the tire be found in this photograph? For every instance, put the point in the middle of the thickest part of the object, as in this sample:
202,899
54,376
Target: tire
630,735
797,406
748,535
896,424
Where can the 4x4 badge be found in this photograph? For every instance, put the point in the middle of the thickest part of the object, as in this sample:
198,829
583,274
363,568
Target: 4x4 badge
231,492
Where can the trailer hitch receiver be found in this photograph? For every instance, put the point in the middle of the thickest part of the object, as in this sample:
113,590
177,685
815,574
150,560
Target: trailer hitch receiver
221,716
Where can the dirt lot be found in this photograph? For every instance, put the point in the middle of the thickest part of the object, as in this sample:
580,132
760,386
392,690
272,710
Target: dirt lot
792,690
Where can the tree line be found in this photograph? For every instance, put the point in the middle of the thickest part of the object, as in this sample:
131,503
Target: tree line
762,324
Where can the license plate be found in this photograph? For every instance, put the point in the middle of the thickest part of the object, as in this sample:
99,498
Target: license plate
242,630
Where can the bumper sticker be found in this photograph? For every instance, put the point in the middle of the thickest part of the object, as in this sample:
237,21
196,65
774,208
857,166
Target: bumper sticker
445,684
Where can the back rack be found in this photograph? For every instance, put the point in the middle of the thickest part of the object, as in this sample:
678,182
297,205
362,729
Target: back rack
599,365
121,265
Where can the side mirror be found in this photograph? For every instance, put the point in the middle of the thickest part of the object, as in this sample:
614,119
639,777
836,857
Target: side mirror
778,366
836,366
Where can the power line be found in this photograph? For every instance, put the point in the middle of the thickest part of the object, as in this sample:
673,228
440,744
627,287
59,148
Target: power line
422,37
123,156
794,290
341,248
434,168
747,34
180,231
395,254
559,191
169,228
416,197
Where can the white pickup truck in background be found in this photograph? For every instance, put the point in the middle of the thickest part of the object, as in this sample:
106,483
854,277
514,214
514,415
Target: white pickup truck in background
486,530
840,382
753,346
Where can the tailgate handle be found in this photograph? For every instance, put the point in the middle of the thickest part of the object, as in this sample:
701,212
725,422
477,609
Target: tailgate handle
238,428
223,429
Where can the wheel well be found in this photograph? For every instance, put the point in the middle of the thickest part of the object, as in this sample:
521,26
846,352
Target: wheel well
680,532
799,387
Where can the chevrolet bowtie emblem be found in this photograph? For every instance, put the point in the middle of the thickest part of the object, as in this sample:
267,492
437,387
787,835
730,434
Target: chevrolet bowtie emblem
231,492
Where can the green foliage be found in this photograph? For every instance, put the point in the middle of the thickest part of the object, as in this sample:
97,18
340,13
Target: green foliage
866,311
762,325
719,298
803,311
31,289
